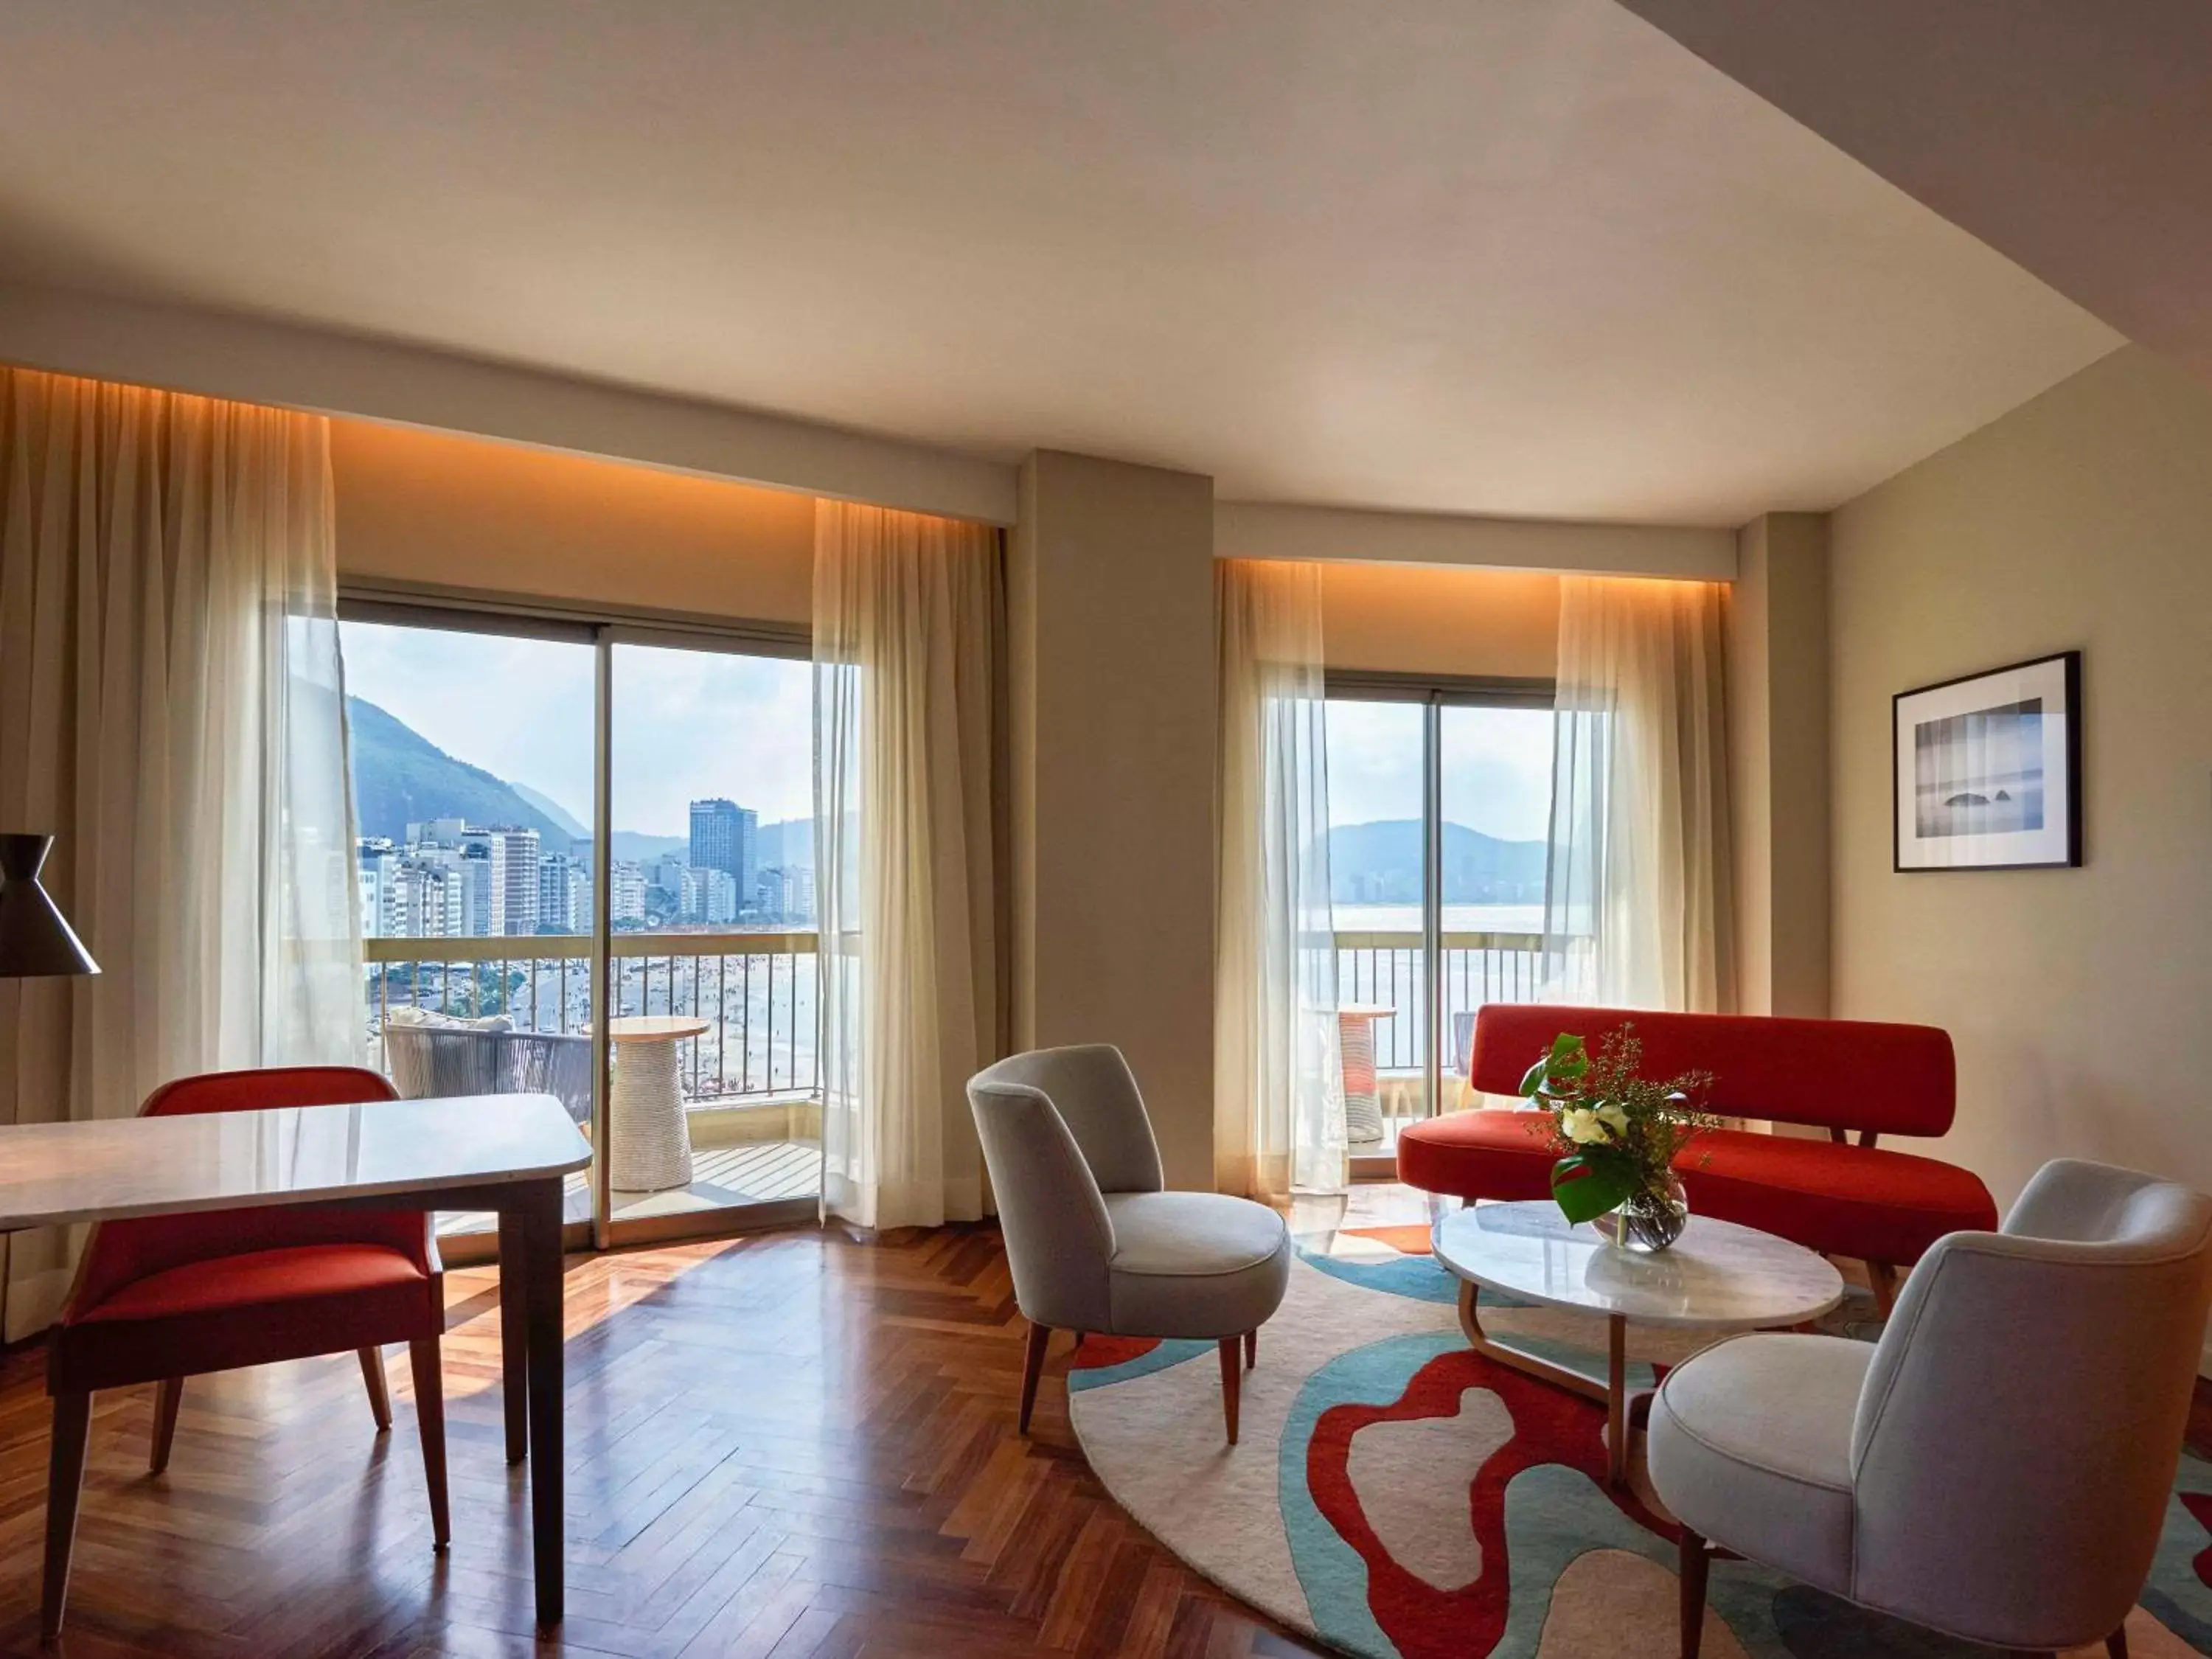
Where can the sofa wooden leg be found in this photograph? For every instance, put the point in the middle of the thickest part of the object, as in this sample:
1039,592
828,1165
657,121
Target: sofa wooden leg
2116,1644
1232,1376
1881,1277
1251,1349
172,1395
64,1481
1696,1558
380,1397
1032,1368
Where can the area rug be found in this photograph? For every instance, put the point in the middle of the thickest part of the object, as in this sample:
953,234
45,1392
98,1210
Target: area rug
1398,1497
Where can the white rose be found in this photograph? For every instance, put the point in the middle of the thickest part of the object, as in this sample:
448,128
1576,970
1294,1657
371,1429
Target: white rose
1613,1118
1580,1125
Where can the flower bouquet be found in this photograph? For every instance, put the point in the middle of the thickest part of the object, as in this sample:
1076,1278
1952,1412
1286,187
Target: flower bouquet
1617,1135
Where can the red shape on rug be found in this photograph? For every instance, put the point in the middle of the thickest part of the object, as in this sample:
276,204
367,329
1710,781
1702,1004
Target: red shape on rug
2199,1504
1550,1425
1405,1240
1099,1352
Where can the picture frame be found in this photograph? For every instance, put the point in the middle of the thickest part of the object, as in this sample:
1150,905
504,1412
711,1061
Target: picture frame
1985,770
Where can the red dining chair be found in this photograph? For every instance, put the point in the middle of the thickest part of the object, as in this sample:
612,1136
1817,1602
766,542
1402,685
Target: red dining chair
162,1298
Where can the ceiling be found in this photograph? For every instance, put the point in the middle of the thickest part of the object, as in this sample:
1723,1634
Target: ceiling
2077,139
1478,256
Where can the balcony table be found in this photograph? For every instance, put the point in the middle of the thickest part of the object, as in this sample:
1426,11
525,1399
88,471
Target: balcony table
649,1142
507,1153
1363,1098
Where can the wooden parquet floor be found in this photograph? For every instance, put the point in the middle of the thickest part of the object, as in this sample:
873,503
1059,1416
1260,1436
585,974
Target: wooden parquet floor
790,1446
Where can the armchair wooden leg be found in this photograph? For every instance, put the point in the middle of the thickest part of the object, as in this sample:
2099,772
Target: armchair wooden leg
1251,1348
1032,1368
1881,1278
1232,1376
1696,1560
2116,1644
166,1402
64,1481
380,1397
430,1424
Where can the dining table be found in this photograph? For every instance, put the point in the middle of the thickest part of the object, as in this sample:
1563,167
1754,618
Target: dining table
510,1154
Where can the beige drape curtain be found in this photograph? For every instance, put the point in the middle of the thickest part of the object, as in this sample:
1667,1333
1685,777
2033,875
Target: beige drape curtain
907,611
171,707
1639,908
1278,1095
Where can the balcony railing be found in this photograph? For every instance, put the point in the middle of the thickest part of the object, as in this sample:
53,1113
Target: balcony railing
1388,970
756,990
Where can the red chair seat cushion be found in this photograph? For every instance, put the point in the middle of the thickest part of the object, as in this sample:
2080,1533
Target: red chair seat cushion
1489,1152
248,1310
1866,1202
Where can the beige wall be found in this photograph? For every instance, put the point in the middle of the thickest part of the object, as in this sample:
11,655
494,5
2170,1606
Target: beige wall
1112,684
2081,1000
429,506
1778,670
1420,619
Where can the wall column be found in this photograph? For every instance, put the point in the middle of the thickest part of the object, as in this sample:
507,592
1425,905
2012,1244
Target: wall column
1111,722
1778,762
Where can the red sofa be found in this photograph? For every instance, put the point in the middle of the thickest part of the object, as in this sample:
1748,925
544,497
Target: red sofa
1840,1196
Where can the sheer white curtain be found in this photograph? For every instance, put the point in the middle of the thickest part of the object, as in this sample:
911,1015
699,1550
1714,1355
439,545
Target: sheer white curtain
906,610
1279,1087
172,709
1638,906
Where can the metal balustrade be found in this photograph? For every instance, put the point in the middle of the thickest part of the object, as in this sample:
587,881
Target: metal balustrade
756,990
1387,970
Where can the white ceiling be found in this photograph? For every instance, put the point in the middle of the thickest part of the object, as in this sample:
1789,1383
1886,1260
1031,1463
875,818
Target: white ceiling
1507,256
2076,138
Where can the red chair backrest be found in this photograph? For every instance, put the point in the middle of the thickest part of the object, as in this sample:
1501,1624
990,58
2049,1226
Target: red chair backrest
122,1251
1831,1074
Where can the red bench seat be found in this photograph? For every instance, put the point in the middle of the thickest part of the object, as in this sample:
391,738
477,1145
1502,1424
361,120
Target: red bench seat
1842,1198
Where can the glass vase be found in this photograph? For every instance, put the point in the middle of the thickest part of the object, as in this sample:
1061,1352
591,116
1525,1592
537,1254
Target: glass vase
1653,1218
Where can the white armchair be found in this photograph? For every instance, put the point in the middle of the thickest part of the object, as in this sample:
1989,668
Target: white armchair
1996,1467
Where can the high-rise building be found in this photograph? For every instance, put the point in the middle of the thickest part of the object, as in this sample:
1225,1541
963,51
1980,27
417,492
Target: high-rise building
625,893
723,835
512,851
564,895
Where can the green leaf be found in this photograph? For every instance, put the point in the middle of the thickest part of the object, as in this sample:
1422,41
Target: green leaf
1533,1080
1587,1185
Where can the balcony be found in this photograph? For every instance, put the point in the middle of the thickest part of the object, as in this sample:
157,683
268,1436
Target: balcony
1388,970
748,1085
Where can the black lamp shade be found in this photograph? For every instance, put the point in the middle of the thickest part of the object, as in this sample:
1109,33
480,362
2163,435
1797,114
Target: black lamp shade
34,939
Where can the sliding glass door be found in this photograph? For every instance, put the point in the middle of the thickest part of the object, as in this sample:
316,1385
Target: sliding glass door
662,986
1439,808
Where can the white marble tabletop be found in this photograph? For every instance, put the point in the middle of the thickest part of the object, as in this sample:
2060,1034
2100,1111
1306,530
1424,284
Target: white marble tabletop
54,1173
1717,1275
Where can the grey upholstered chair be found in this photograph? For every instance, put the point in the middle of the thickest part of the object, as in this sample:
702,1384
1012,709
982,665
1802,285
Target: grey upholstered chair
1995,1467
1094,1241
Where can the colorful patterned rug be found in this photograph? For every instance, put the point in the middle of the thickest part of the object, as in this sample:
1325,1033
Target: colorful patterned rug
1399,1497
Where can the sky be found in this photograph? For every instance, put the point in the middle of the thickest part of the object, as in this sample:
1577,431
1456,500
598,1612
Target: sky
694,723
688,724
1496,763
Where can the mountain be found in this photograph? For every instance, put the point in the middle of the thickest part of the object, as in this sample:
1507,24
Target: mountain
788,845
636,846
553,810
1380,864
400,777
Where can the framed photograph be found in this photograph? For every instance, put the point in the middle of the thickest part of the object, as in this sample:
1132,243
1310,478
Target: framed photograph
1986,771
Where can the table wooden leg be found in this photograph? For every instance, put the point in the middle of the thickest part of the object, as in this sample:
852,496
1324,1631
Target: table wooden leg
541,1218
513,1344
1616,1399
64,1480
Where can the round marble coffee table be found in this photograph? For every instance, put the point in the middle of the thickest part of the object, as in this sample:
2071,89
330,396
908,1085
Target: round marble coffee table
648,1140
1717,1276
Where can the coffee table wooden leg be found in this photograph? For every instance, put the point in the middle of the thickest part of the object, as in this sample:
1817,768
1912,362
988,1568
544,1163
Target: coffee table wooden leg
1470,1321
1616,1399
